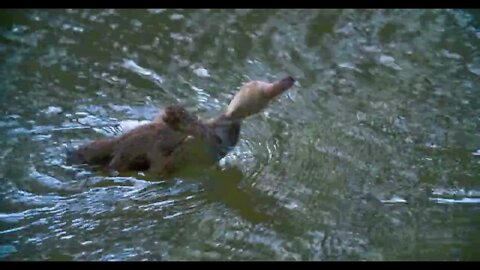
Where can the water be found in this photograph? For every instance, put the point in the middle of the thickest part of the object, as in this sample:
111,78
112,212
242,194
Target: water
373,155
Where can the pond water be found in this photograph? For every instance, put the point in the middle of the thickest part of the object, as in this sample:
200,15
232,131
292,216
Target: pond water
373,155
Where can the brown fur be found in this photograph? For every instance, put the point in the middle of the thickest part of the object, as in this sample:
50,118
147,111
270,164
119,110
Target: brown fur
177,137
138,149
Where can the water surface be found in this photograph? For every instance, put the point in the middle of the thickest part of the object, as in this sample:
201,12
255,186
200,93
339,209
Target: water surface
374,154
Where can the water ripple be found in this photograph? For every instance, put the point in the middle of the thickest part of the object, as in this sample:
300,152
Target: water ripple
384,113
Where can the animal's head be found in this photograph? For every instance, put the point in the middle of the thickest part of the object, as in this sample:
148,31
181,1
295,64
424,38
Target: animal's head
254,96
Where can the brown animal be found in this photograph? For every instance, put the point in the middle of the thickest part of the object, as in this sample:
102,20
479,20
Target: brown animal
177,138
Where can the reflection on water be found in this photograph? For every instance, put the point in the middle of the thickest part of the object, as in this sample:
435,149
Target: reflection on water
374,155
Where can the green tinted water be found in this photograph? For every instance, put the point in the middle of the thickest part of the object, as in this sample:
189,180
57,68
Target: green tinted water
372,156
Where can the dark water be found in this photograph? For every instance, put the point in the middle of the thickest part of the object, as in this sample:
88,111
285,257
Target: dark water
374,155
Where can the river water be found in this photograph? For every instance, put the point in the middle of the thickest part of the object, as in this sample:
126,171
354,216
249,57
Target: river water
373,155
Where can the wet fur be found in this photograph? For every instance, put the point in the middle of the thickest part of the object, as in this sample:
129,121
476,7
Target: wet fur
137,150
175,138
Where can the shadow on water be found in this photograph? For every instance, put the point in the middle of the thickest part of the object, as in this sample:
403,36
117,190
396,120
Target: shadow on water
217,185
388,107
224,185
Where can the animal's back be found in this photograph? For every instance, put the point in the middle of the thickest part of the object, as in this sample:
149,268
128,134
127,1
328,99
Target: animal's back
95,153
134,144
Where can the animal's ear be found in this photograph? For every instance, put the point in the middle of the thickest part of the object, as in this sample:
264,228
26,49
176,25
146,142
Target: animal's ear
173,116
178,118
